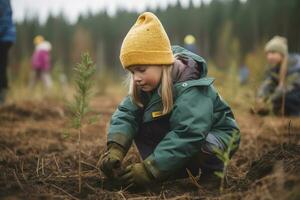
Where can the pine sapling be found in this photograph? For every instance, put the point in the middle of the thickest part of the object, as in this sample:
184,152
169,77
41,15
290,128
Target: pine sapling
224,156
84,72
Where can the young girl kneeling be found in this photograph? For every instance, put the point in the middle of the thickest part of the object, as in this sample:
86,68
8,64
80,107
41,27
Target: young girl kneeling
173,113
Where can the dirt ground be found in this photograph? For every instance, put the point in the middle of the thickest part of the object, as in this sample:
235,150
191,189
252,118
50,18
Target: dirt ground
38,157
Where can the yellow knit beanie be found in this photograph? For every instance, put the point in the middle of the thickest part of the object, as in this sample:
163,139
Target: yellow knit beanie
146,43
277,44
38,39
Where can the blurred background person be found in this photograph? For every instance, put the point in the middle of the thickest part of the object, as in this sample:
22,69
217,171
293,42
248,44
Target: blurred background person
7,38
244,74
281,87
41,62
190,43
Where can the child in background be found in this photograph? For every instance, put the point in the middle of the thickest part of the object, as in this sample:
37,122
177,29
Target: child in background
173,113
281,87
41,62
190,43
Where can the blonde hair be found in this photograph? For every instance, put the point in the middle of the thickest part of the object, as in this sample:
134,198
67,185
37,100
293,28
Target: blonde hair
283,70
282,81
166,90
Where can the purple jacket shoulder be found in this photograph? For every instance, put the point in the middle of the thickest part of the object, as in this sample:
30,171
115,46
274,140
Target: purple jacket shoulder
41,56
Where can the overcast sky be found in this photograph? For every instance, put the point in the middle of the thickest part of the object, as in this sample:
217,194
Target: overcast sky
73,8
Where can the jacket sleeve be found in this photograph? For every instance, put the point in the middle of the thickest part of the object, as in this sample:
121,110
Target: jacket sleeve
124,123
190,121
267,88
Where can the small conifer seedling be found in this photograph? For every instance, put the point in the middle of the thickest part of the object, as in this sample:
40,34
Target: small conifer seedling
84,72
224,156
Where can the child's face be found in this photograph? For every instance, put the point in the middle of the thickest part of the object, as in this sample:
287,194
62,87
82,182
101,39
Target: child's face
274,58
146,78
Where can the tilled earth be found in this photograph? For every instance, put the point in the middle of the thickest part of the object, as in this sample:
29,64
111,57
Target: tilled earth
38,157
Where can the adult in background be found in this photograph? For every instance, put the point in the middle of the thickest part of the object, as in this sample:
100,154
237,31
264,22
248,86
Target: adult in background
7,38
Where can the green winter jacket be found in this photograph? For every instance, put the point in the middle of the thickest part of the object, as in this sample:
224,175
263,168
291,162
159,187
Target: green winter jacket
198,109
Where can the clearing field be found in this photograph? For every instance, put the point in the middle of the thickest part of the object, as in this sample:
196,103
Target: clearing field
38,160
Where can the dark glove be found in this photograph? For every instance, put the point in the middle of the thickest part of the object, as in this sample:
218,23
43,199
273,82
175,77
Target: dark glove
136,175
262,107
278,93
112,159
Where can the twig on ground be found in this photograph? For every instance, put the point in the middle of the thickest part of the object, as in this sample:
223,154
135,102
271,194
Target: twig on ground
37,166
43,171
193,179
62,190
121,194
89,186
22,170
56,163
90,165
18,181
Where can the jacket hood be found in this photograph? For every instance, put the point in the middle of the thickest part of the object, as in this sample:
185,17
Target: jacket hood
193,62
44,46
185,69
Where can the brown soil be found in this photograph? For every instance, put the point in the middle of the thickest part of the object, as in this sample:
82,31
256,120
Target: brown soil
38,157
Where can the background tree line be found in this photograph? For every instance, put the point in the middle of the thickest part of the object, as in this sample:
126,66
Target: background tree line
224,29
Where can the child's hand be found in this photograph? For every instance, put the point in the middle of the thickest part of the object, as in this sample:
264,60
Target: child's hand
112,159
136,175
261,107
278,93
